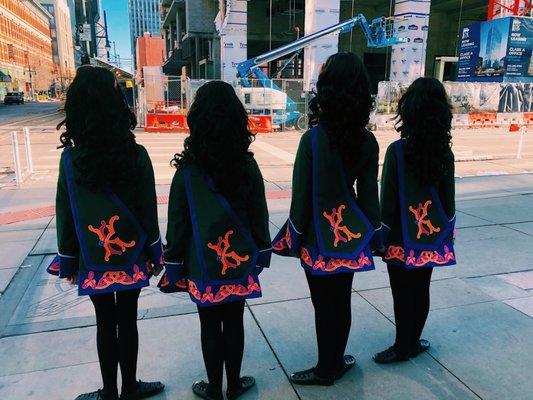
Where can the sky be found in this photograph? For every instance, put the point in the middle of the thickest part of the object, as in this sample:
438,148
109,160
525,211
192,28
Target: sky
118,27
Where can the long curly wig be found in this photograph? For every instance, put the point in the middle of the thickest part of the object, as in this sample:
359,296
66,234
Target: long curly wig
424,120
342,103
219,138
98,124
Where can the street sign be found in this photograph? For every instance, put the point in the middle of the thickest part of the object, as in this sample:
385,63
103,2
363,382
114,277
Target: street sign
84,32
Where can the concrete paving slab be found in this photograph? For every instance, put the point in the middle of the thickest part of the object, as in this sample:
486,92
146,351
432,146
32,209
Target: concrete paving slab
20,235
6,274
524,305
52,299
47,243
39,223
444,294
525,227
500,210
497,288
465,221
379,278
176,360
487,346
523,280
492,250
473,188
289,327
284,280
517,183
12,254
278,219
43,384
279,206
14,200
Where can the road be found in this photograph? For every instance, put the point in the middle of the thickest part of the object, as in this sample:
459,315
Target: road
26,113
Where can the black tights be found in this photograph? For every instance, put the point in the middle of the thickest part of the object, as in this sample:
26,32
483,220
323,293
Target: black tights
331,297
117,338
222,343
410,292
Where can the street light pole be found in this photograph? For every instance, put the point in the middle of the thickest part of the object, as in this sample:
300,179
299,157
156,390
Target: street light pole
30,72
107,45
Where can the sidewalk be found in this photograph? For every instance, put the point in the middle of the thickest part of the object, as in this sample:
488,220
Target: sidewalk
480,325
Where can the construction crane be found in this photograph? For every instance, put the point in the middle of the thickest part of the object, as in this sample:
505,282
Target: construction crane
379,33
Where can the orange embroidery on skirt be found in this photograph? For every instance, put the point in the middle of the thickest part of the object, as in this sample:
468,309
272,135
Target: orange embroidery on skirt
333,264
285,242
424,225
335,219
111,277
224,291
107,241
425,257
224,255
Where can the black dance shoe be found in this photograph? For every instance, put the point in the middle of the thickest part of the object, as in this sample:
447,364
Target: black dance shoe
349,363
247,382
203,390
389,356
423,345
309,377
144,390
98,395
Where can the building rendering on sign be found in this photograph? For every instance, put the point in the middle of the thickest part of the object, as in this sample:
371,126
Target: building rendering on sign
62,41
144,17
26,62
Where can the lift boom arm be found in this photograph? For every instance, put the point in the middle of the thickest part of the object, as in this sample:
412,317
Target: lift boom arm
375,33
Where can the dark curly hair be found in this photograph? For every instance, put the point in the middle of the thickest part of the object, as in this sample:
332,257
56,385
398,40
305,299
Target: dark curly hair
219,138
98,124
342,103
424,119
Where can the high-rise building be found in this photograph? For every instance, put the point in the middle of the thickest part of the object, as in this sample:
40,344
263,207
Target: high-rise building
88,13
62,43
144,18
26,62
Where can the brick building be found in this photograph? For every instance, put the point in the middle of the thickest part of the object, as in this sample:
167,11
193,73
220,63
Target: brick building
62,41
150,51
26,62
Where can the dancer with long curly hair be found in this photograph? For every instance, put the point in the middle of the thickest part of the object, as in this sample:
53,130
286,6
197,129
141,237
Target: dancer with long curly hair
332,227
107,231
417,210
217,236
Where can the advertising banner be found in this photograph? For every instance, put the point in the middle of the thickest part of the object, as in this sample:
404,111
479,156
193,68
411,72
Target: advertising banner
319,14
408,59
519,52
496,51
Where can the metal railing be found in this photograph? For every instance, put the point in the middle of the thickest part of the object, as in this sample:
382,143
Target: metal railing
15,167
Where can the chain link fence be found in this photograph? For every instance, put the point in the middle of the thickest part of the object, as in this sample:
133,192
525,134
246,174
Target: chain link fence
284,102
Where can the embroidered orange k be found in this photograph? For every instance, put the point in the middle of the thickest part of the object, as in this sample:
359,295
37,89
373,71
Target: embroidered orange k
105,233
341,233
222,248
425,227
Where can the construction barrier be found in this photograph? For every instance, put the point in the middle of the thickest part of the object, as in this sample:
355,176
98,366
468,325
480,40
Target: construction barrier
482,119
260,123
528,119
166,123
472,120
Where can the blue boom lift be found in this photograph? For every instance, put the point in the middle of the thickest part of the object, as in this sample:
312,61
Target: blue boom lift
379,33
